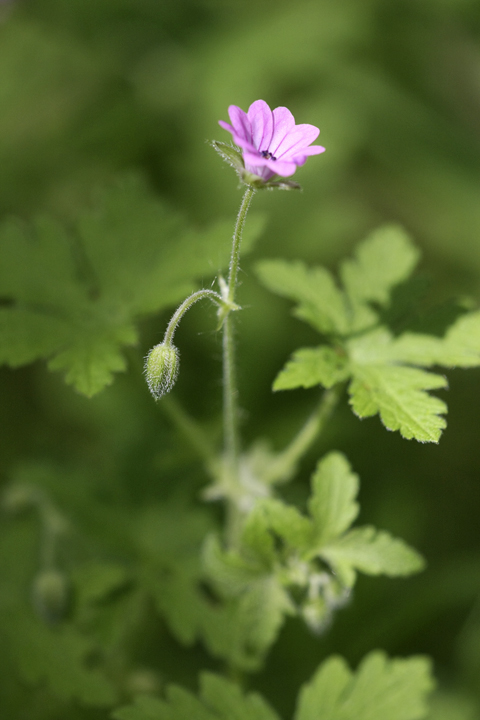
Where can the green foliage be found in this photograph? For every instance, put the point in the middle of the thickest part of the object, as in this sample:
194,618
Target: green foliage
390,689
92,90
74,296
219,699
285,556
380,368
58,657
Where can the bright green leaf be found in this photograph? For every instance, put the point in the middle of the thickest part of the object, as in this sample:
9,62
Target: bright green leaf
381,689
313,366
373,552
399,395
332,504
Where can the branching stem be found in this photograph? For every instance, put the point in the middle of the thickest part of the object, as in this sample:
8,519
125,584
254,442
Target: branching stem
286,461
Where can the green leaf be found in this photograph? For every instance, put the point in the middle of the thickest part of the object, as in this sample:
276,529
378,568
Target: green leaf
220,699
229,703
59,657
381,688
332,504
383,381
250,623
459,348
170,539
73,296
321,303
256,604
399,395
313,366
373,552
383,260
284,520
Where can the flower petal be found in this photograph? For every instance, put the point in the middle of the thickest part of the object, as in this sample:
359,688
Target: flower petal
241,123
278,167
297,140
226,126
261,122
283,124
300,157
282,168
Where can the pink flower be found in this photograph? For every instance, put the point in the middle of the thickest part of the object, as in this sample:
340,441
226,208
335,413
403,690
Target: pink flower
271,142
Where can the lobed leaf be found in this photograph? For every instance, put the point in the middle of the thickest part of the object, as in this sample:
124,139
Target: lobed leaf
58,657
321,302
220,699
398,394
333,505
313,366
381,688
382,261
373,552
73,296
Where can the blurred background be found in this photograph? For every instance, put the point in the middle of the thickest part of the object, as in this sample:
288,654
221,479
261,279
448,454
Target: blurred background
93,89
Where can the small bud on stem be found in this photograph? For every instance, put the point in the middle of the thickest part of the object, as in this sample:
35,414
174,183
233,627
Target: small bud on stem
161,369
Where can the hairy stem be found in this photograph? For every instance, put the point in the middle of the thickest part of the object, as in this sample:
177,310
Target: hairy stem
230,408
182,309
237,240
286,461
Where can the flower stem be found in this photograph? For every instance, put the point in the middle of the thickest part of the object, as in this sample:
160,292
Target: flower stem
182,309
237,240
286,461
230,409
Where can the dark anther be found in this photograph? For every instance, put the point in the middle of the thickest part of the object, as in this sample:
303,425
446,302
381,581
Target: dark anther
267,155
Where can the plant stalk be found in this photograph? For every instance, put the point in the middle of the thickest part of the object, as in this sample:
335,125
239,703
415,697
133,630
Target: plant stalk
182,309
285,463
230,396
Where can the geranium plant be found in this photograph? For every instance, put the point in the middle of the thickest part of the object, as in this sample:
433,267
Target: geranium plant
223,581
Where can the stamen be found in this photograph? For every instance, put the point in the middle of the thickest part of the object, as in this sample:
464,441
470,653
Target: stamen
267,155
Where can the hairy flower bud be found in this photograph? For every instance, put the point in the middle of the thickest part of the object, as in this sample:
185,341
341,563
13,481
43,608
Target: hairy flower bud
161,369
50,595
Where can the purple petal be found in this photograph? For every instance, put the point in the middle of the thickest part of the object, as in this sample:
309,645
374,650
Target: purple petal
283,124
261,122
303,155
278,167
241,123
282,168
297,140
244,144
226,126
263,131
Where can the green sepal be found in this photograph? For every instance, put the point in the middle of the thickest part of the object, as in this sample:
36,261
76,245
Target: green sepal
229,154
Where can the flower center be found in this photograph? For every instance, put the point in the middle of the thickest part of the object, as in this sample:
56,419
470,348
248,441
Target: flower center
267,155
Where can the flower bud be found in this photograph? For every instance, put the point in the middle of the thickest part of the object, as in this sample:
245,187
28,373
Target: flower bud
50,595
161,369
